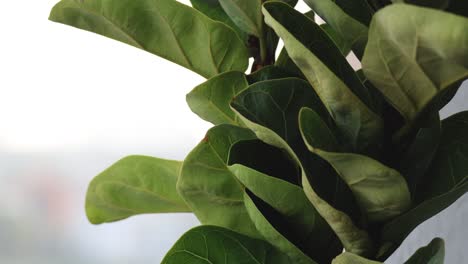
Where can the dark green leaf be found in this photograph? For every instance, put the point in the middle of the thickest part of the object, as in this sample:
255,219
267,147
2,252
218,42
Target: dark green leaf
341,43
433,253
348,18
134,185
299,222
408,71
166,28
445,182
449,167
216,245
269,72
211,99
286,63
271,110
266,159
419,155
206,184
257,210
380,191
327,70
458,7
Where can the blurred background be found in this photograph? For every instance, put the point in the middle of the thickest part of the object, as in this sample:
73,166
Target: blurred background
71,104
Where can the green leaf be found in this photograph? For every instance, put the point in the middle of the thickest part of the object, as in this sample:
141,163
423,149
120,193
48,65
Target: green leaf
348,18
450,165
445,182
216,245
214,10
269,72
286,63
433,253
327,70
298,221
209,188
166,28
271,110
381,192
411,74
350,258
246,14
418,157
339,41
257,208
211,99
315,131
134,185
438,4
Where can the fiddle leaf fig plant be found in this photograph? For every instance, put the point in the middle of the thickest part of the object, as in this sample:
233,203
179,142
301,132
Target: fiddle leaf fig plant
309,161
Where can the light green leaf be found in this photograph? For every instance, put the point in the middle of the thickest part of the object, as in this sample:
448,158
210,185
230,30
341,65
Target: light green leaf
381,192
271,110
327,70
214,10
445,182
209,188
350,258
410,73
134,185
216,245
166,28
210,100
348,18
300,224
246,14
433,253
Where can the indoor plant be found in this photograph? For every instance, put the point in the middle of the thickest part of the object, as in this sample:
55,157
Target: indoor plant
307,156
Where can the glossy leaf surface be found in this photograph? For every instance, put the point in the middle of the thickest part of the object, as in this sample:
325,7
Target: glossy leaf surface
166,28
134,185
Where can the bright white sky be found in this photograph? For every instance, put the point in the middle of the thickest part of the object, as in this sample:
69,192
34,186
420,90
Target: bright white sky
63,89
